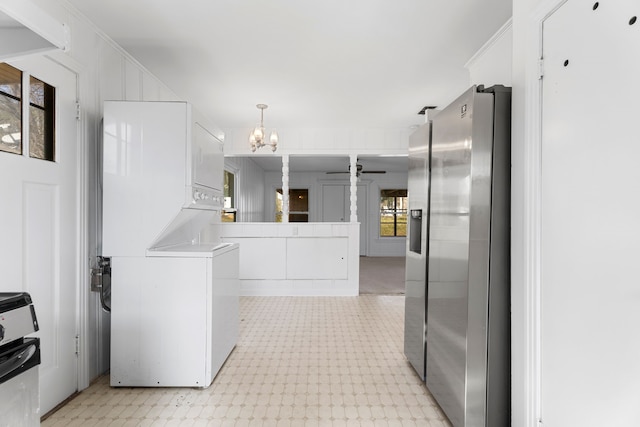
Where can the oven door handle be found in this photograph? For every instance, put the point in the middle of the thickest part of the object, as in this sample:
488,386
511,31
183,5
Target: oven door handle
16,360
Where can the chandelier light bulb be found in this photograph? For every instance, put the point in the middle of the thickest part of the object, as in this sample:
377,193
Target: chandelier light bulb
259,134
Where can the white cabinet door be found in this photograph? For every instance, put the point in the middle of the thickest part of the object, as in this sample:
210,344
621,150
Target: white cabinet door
40,229
333,203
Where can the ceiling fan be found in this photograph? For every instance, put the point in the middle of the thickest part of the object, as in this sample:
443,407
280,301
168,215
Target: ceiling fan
359,170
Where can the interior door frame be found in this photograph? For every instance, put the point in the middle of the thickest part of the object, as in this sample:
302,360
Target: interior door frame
41,64
83,293
528,357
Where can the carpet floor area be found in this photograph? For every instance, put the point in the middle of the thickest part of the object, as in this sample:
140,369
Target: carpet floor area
382,275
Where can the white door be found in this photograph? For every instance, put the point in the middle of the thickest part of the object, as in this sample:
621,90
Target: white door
333,203
590,285
39,225
336,207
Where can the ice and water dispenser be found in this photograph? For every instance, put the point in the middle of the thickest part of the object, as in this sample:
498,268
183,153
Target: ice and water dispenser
415,231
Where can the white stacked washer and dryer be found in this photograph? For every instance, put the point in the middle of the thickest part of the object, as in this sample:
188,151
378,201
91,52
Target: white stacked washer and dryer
174,284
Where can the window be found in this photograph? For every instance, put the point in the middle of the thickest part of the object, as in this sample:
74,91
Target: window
393,213
10,109
41,119
41,114
298,205
229,211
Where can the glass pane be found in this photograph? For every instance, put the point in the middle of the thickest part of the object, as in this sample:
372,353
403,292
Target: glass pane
36,92
393,193
386,225
298,217
298,200
36,133
401,224
41,119
10,120
387,203
10,81
10,109
279,205
401,203
298,205
229,189
228,216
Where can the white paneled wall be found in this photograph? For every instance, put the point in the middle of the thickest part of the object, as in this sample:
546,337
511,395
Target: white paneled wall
326,141
107,73
250,189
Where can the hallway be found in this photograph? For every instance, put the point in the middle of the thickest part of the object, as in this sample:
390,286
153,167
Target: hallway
382,275
300,361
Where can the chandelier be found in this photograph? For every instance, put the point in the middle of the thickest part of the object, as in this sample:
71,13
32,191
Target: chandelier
257,138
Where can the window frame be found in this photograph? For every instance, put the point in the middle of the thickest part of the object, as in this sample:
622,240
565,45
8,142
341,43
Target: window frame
396,212
278,190
232,211
48,111
35,106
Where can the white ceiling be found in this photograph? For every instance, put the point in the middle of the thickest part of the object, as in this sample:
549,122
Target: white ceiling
330,63
322,64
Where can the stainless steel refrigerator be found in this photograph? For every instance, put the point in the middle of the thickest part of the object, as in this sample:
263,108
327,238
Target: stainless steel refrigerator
467,346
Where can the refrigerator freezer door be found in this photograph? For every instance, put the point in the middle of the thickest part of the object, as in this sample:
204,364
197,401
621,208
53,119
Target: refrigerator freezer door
458,257
416,254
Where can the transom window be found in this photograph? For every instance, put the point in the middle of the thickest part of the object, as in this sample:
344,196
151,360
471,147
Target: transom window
393,213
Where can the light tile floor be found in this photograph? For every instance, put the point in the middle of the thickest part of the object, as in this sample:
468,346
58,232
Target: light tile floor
300,361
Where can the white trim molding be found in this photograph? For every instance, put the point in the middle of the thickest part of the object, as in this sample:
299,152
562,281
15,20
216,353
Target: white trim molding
504,30
532,211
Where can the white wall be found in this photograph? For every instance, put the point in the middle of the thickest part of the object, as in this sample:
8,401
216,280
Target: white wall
491,65
249,190
334,142
107,73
